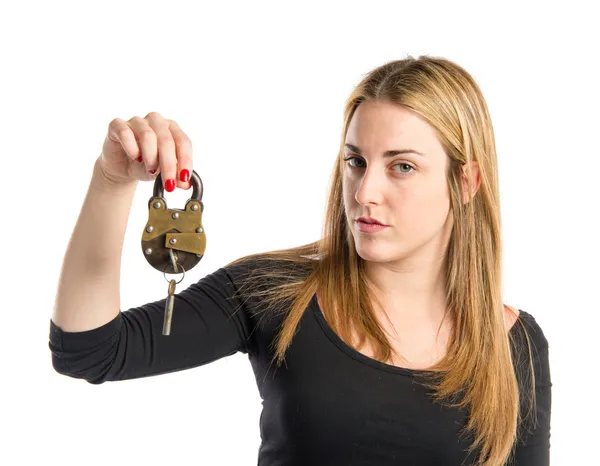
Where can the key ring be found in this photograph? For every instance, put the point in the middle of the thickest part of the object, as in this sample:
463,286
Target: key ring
165,273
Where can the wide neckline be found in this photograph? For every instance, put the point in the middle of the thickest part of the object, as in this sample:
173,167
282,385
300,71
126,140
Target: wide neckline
357,355
350,351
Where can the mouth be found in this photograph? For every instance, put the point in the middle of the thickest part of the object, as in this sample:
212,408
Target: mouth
370,228
370,221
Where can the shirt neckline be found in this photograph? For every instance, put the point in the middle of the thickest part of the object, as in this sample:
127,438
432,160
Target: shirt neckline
357,355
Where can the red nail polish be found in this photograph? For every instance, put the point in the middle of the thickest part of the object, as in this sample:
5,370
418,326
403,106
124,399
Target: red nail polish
170,185
152,172
184,175
139,159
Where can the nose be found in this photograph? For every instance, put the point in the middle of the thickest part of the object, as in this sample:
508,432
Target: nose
369,188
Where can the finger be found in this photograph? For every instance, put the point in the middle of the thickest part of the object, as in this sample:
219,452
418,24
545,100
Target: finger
167,158
120,132
183,147
146,139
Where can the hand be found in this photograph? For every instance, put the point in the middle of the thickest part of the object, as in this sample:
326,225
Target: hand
135,148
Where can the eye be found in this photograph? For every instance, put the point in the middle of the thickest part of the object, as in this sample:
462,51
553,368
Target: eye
407,166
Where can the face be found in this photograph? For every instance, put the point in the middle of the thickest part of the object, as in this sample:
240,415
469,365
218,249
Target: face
408,192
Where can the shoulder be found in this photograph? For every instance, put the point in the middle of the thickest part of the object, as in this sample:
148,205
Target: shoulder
533,328
530,353
511,314
527,339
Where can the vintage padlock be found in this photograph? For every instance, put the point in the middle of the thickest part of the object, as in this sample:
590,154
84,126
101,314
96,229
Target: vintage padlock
174,237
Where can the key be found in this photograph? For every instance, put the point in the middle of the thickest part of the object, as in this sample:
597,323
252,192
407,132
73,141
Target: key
169,308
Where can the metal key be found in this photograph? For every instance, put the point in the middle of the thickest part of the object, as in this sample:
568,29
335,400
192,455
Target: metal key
169,308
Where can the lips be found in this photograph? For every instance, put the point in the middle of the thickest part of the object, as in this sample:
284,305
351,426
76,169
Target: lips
370,220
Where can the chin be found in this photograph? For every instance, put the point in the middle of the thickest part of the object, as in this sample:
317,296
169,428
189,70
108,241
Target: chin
374,252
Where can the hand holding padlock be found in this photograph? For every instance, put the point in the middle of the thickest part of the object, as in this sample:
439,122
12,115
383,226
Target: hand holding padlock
135,150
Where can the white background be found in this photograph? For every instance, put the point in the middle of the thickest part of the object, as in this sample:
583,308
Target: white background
259,87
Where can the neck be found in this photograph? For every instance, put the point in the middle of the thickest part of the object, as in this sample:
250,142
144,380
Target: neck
410,291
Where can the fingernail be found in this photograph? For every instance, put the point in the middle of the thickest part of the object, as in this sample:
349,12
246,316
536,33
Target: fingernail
139,159
152,172
184,175
170,185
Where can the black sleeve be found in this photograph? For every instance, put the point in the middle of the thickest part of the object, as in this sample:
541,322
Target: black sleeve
207,324
533,448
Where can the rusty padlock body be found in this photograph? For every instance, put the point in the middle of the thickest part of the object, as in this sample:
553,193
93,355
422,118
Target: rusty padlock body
179,230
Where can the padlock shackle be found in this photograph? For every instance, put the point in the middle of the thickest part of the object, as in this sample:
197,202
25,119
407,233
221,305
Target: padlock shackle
196,181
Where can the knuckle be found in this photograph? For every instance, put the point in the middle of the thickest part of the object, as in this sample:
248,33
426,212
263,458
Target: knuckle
147,133
165,138
183,142
154,115
117,125
168,168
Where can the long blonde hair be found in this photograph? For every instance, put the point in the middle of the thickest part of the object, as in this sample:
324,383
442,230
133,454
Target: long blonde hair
478,365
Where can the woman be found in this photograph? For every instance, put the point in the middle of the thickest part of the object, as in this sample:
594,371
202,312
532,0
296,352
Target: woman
397,346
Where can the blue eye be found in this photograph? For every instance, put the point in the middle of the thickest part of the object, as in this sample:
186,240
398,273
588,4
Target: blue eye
398,164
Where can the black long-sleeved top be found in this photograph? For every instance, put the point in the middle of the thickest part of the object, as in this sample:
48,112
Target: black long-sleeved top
327,405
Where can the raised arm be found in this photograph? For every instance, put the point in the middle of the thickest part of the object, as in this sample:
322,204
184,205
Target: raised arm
90,337
208,324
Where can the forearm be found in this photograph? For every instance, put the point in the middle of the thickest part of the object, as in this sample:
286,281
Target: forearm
88,294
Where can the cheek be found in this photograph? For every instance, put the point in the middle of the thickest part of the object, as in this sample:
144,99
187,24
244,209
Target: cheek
421,210
431,209
347,192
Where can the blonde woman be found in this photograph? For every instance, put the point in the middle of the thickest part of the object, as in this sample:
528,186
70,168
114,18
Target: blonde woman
387,341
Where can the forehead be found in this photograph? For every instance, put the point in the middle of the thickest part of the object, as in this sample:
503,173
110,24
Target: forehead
382,125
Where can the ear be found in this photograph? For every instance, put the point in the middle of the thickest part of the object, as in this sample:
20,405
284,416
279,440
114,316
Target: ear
476,181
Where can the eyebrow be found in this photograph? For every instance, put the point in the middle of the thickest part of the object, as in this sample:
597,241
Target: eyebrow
387,153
